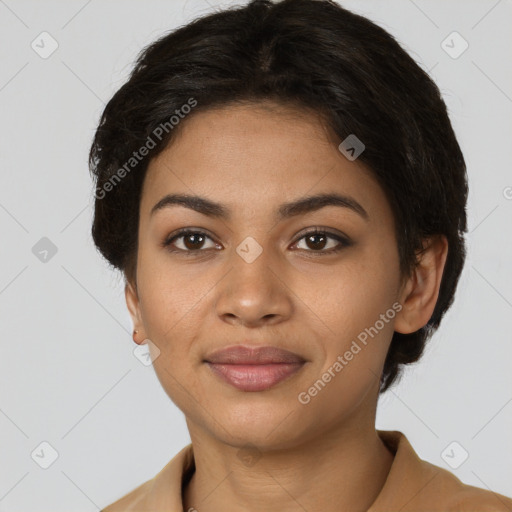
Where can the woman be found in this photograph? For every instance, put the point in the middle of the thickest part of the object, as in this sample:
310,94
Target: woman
282,189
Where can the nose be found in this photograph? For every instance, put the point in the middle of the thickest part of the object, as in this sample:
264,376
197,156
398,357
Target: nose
254,293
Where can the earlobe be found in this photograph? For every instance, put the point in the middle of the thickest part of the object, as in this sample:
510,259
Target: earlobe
132,302
420,292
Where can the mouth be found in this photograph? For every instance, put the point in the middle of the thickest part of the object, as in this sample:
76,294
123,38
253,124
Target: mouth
254,368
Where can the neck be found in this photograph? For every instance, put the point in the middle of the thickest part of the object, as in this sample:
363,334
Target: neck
341,470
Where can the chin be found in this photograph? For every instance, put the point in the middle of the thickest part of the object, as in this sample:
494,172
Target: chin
267,425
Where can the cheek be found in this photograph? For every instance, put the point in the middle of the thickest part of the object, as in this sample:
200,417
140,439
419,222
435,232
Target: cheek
358,338
357,307
170,303
359,291
169,297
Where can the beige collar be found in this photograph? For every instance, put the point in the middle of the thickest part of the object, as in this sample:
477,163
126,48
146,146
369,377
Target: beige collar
412,485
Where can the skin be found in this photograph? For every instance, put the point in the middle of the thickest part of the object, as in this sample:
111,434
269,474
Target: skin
324,455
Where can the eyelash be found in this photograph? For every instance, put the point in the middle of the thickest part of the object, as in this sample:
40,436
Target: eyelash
345,242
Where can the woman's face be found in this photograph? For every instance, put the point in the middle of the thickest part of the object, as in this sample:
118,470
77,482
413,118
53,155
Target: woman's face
254,278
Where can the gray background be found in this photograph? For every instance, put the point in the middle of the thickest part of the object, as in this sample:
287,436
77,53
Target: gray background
68,374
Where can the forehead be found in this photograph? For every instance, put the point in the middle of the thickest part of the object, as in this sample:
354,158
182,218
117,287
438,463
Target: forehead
255,155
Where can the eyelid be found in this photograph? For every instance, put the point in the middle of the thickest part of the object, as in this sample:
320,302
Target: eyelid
343,240
323,230
340,237
185,231
300,234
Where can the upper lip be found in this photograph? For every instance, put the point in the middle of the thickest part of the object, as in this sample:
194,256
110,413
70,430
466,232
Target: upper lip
241,354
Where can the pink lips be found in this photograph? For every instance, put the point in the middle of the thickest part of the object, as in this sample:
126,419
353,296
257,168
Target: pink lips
254,368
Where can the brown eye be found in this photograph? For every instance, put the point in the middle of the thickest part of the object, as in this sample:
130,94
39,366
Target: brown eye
193,240
317,241
187,241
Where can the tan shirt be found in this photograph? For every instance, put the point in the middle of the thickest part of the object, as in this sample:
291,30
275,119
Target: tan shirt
412,485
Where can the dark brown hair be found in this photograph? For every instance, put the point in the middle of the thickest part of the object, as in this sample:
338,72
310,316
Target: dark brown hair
315,55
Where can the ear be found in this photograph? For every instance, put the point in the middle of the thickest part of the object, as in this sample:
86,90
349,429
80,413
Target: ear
420,291
132,302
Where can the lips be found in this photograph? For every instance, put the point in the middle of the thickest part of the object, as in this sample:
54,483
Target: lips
254,368
240,354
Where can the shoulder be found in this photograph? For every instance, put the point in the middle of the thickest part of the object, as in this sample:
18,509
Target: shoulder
452,495
416,485
132,501
467,498
163,491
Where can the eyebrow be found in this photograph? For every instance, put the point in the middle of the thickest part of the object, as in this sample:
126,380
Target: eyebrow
285,211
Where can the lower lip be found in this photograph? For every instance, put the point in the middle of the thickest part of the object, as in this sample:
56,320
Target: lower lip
255,377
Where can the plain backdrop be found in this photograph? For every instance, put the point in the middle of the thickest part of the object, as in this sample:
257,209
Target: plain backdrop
68,374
